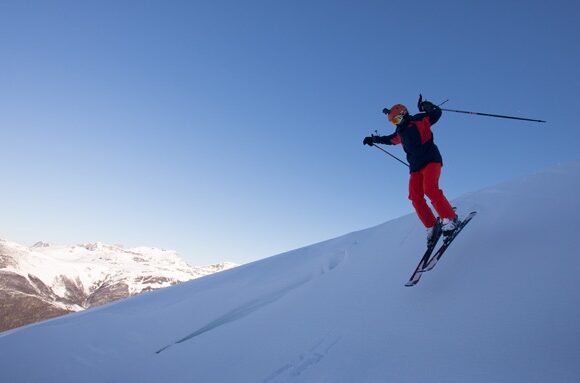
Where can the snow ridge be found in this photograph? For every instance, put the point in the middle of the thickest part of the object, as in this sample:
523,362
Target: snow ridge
501,306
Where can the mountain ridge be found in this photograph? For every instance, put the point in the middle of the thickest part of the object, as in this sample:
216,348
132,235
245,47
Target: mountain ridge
43,281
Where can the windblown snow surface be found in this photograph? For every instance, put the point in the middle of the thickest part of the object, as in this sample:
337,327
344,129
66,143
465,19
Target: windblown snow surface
503,305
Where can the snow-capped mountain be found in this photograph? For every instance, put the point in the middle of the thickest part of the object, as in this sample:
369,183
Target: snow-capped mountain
501,306
44,281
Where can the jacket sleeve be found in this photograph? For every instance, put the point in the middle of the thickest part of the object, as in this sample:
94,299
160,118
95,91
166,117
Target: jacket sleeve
391,139
434,114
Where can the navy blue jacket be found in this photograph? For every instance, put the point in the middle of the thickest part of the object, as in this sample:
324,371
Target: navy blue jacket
414,133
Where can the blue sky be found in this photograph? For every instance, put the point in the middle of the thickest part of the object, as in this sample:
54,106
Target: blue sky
232,130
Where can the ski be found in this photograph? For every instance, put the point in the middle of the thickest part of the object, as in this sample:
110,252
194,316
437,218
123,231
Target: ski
430,264
416,276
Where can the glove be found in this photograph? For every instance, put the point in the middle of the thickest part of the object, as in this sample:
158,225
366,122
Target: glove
368,141
425,106
386,111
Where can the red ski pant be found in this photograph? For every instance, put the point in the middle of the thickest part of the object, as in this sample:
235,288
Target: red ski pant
425,182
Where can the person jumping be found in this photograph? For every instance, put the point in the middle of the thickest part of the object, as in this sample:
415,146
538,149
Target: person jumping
425,163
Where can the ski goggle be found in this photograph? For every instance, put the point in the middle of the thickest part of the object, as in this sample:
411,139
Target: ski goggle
396,120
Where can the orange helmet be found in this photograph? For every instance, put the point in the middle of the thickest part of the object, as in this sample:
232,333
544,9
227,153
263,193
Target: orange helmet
397,113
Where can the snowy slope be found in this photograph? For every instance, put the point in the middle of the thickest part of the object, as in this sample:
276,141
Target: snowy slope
501,306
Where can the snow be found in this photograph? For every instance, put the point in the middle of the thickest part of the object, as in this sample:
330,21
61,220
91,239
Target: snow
93,263
501,306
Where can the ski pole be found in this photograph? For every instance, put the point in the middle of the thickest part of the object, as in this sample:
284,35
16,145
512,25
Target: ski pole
491,115
395,157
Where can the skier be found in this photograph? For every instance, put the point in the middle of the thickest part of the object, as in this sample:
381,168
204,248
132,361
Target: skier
425,162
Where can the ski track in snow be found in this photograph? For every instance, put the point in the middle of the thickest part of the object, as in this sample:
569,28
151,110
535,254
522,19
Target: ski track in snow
304,361
239,313
243,311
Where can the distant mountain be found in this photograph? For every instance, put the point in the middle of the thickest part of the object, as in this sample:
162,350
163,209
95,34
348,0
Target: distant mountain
44,281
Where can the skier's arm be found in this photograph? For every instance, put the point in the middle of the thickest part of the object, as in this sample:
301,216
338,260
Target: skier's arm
391,139
433,112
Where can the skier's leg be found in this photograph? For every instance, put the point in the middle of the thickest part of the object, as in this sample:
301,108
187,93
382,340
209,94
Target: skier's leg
417,197
431,174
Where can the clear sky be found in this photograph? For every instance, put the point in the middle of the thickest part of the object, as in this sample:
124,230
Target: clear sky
232,130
